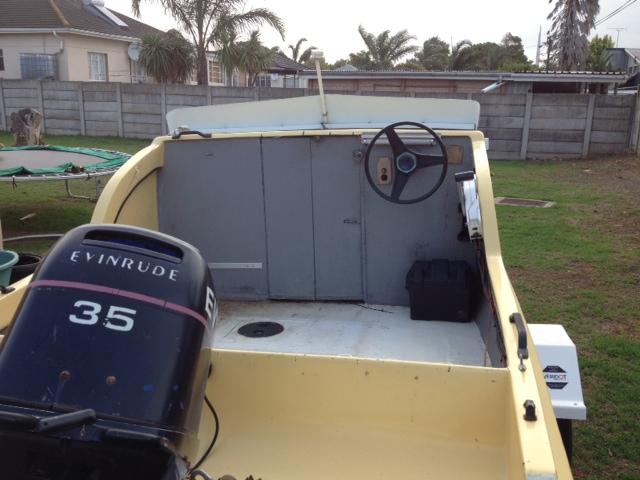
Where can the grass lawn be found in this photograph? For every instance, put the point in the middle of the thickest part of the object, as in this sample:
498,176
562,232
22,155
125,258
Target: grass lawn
577,263
55,211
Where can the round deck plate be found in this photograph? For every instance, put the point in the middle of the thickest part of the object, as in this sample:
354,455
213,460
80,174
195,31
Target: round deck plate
260,329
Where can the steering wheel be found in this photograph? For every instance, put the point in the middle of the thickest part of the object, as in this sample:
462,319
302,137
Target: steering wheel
406,162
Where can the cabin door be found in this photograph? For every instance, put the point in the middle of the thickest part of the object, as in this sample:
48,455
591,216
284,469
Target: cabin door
312,189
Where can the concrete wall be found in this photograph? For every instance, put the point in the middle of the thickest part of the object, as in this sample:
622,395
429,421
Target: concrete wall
519,126
73,55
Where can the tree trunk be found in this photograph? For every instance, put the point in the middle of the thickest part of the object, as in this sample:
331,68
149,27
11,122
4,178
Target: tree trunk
26,126
203,67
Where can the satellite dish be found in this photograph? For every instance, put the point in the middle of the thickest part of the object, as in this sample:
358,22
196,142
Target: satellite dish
134,51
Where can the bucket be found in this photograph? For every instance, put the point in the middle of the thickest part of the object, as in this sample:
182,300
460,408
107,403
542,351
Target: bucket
7,260
27,264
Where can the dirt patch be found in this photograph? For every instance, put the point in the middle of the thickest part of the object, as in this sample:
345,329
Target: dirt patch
523,202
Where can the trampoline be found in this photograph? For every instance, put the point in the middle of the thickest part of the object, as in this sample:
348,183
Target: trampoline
51,162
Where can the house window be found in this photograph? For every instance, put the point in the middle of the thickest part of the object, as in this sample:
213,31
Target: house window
290,82
1,61
98,67
37,66
264,80
215,75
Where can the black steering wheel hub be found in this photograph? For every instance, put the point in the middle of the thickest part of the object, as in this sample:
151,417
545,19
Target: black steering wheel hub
407,162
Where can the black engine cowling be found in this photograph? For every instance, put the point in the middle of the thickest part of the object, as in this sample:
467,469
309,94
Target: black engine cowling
104,368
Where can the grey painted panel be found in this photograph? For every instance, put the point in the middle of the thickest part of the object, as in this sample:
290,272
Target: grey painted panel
210,194
289,217
398,235
337,218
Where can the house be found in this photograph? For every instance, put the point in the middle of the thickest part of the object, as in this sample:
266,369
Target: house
624,59
78,40
627,60
350,80
283,73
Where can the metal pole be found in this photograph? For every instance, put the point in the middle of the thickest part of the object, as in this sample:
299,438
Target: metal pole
538,47
317,56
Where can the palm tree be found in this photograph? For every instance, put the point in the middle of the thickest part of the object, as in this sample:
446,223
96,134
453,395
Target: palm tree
169,57
572,22
298,56
386,49
209,21
249,56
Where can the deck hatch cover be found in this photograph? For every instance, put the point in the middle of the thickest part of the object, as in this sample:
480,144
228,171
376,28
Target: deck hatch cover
260,329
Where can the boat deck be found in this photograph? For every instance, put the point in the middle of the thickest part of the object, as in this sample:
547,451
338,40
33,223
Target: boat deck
352,330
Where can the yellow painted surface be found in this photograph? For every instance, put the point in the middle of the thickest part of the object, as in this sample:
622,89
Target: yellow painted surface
10,301
291,417
130,197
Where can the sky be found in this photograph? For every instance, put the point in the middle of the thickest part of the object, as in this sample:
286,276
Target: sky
332,25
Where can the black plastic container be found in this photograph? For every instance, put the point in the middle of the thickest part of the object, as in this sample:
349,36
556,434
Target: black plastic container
440,290
116,321
27,264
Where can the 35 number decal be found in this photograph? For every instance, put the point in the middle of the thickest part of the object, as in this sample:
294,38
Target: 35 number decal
117,318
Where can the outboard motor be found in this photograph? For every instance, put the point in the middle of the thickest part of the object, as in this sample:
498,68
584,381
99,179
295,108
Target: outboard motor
104,368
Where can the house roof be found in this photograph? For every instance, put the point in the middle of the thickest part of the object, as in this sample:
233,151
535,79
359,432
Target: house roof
282,63
634,52
67,14
542,76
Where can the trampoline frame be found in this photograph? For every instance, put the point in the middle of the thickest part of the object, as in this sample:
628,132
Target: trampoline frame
66,176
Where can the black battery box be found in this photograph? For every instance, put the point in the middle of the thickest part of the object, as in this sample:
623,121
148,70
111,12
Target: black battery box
440,290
